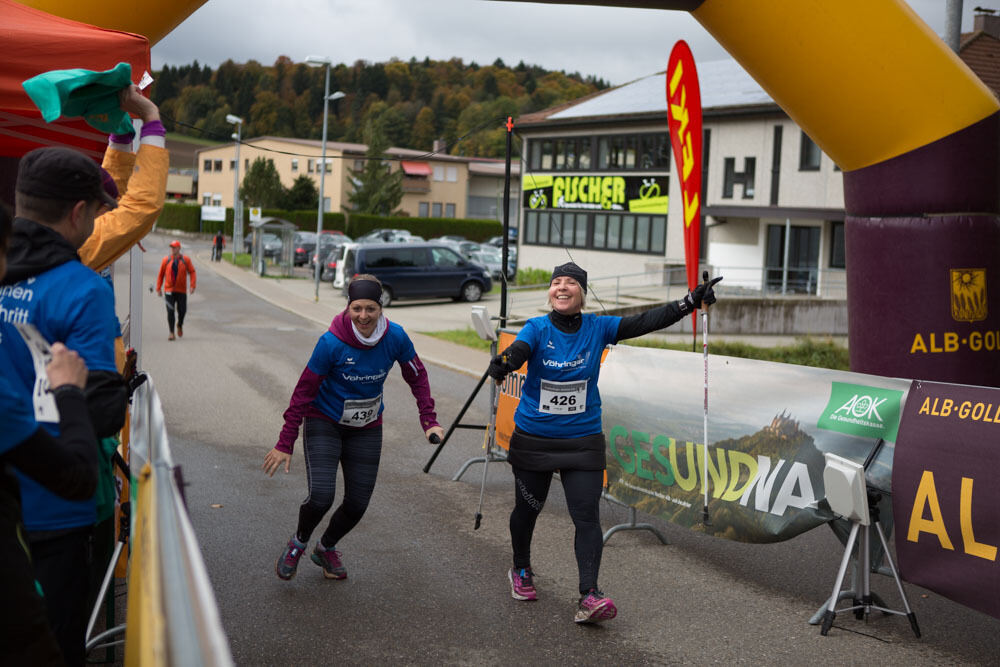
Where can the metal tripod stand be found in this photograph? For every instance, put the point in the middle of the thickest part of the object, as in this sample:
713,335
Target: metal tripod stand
863,607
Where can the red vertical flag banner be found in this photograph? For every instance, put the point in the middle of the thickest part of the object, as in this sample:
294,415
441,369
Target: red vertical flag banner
684,123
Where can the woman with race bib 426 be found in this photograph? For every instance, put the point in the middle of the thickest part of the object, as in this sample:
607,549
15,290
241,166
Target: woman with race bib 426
339,396
557,424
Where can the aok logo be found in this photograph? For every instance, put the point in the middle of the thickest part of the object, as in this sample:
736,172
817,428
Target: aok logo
968,295
854,409
862,407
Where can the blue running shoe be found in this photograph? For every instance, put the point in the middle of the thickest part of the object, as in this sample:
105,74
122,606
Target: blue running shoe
288,561
329,560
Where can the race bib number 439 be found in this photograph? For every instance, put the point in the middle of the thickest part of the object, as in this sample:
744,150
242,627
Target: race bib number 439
361,412
562,398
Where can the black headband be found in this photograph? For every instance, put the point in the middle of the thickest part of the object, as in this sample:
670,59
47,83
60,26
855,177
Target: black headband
364,289
571,270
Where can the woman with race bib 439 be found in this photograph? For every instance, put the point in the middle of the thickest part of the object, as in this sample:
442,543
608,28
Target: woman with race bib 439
557,424
339,397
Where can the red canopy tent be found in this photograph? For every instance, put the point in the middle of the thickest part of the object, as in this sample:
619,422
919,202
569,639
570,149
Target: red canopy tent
36,42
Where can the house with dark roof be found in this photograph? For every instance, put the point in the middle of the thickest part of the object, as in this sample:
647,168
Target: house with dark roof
599,184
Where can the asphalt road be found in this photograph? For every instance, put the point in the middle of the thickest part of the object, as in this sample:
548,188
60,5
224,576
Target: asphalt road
423,586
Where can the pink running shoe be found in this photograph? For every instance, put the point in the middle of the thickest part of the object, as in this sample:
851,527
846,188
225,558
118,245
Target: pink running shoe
329,560
595,607
522,585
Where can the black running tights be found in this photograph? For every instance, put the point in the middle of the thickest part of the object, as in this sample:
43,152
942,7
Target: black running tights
583,495
358,452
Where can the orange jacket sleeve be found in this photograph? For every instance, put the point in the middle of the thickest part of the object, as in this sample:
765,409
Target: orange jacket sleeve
190,266
140,205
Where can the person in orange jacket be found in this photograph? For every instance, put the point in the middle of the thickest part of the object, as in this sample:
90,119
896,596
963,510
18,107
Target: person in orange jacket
175,268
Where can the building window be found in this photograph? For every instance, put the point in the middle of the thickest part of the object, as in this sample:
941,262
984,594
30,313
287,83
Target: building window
438,173
246,164
436,210
745,178
207,166
583,153
309,165
295,164
217,200
206,199
808,154
423,209
449,210
217,166
359,165
837,251
232,165
452,174
645,234
800,275
546,159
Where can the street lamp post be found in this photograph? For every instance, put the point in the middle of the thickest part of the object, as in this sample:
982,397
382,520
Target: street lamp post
319,61
237,209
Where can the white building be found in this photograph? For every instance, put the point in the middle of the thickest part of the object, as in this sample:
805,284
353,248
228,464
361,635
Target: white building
772,202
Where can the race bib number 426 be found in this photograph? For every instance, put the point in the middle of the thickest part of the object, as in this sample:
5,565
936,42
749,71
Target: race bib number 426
562,398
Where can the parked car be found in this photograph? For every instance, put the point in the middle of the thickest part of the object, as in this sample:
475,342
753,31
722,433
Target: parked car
417,270
304,244
385,236
338,276
271,244
328,240
454,237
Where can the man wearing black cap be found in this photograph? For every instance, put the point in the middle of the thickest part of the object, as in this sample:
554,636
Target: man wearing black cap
59,193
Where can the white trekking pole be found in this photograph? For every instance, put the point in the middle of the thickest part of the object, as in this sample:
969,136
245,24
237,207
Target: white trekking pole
704,351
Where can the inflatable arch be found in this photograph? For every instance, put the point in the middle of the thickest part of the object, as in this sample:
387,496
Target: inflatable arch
916,133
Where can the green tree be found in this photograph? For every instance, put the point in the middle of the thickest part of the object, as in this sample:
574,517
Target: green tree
302,195
424,134
377,188
262,185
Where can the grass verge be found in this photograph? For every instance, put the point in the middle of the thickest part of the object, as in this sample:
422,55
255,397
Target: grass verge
807,351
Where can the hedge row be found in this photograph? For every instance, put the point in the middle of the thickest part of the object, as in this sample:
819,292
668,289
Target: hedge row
187,218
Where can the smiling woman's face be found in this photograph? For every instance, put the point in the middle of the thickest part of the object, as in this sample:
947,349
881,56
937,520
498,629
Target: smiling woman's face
364,314
565,296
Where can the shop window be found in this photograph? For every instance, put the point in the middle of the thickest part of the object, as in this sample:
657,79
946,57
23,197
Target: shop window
809,154
546,155
583,154
658,239
580,235
600,230
544,224
642,233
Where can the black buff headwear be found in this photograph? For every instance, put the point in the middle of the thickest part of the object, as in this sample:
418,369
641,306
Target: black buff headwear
573,271
364,289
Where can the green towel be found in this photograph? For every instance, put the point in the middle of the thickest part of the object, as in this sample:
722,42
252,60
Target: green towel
82,92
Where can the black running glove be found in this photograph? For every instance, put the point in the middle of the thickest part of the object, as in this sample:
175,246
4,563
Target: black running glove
702,294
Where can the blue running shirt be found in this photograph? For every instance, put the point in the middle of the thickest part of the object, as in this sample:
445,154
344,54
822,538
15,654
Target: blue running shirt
560,398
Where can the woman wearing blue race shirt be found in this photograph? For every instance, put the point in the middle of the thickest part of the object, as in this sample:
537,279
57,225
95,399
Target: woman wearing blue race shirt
557,425
339,396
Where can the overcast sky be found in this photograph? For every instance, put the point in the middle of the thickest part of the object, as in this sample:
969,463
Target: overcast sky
616,44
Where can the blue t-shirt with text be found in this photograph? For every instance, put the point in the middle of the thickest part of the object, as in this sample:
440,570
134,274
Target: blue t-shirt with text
352,373
563,358
72,305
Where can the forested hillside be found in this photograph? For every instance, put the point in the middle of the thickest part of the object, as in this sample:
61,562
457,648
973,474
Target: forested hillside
415,102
